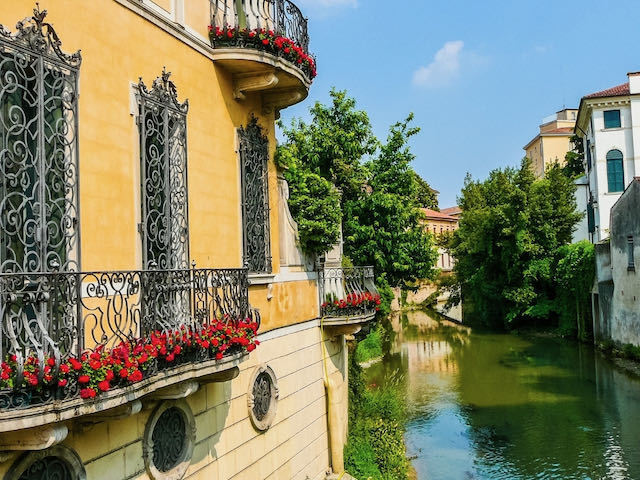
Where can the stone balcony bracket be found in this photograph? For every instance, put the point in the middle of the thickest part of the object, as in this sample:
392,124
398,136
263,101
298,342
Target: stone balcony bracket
253,82
39,438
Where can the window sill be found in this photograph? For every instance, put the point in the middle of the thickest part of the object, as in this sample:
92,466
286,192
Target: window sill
612,129
261,278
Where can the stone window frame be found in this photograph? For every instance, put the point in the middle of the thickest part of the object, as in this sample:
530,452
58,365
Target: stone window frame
180,469
264,424
69,456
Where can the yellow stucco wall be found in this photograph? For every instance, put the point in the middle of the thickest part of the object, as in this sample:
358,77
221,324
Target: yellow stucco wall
115,54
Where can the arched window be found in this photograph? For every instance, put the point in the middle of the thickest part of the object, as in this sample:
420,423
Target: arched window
38,150
615,171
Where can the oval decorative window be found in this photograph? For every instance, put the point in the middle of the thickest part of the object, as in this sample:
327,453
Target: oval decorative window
262,397
169,440
57,462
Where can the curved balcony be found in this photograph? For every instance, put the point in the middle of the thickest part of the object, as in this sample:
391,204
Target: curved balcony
348,298
265,46
92,344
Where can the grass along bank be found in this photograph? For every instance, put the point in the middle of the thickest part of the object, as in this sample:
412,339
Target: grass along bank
377,418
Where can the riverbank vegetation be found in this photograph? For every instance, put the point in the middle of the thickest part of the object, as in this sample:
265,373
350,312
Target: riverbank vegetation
377,417
515,264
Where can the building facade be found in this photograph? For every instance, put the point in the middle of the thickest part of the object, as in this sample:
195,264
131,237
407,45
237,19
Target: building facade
552,142
439,223
607,123
616,303
158,320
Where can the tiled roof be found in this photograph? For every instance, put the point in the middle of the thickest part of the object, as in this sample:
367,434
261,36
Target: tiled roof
438,215
452,210
616,91
561,130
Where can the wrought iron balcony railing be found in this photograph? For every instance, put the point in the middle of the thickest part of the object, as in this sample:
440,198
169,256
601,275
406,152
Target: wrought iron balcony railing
348,292
48,319
281,16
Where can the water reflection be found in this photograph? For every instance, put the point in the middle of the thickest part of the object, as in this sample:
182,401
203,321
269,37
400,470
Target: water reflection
491,406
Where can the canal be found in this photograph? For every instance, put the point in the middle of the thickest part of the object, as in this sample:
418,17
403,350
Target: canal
495,406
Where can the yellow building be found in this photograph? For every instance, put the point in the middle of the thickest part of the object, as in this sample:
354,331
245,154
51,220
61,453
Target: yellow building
145,235
552,143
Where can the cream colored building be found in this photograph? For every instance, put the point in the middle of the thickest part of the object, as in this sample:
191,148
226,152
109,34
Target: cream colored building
552,142
140,211
438,223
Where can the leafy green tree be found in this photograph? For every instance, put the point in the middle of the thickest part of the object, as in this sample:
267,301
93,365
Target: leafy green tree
426,196
574,159
335,144
383,226
505,247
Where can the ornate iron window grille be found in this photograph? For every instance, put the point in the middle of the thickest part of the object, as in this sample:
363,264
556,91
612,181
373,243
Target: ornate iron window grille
163,151
38,150
165,218
48,468
262,394
254,158
169,439
39,208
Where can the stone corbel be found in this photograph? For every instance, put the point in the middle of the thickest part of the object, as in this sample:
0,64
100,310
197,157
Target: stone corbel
39,438
335,331
281,98
253,82
225,376
117,413
176,392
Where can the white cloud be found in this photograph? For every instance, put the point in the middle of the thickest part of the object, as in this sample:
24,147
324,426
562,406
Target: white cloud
444,68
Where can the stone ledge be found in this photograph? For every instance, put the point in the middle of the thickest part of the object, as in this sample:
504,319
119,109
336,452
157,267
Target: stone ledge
346,325
58,411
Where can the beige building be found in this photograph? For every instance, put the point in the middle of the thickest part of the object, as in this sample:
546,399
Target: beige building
438,223
552,142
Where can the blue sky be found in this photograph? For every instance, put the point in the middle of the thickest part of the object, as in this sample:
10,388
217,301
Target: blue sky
479,75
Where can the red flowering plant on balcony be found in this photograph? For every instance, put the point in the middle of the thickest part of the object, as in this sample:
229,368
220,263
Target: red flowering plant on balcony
265,40
130,361
353,304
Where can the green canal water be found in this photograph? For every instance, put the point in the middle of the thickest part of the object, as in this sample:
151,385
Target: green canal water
491,406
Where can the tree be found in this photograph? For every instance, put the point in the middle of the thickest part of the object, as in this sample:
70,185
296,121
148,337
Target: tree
426,197
383,226
505,247
322,162
335,144
574,159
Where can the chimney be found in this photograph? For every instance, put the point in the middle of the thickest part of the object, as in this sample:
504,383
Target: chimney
634,82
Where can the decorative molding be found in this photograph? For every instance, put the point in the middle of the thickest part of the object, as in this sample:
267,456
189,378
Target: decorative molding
176,392
273,102
39,438
118,413
253,82
70,459
185,454
262,397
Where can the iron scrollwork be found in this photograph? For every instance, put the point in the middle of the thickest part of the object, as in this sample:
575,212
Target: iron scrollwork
163,146
48,468
169,439
38,149
254,157
336,283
